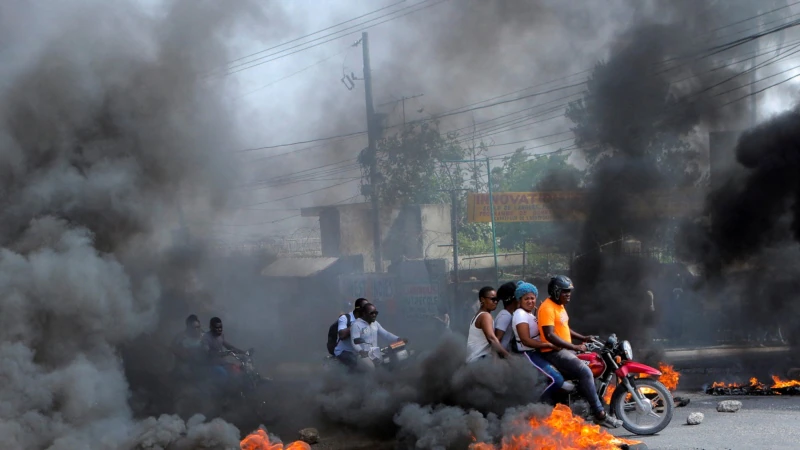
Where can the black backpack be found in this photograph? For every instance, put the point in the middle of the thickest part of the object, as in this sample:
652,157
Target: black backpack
333,333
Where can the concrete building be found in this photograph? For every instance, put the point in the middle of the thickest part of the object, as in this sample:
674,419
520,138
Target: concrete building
407,232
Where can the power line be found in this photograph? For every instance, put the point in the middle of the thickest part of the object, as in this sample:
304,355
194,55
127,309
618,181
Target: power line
316,32
355,133
751,18
535,94
245,66
760,90
300,194
269,222
452,113
292,74
774,59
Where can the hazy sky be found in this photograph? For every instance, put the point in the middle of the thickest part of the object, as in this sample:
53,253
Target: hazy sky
455,52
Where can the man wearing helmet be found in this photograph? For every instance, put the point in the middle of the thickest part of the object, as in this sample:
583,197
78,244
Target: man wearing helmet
554,328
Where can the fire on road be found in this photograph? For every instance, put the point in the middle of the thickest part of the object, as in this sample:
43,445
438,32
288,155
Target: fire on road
762,422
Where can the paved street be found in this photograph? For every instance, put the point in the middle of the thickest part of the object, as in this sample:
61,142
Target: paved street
762,423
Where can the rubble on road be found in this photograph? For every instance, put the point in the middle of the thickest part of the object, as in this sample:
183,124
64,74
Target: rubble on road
729,406
695,418
309,435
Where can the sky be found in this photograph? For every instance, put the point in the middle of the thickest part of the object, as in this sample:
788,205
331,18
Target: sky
453,52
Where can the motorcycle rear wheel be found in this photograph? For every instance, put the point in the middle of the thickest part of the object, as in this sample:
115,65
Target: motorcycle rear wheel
656,393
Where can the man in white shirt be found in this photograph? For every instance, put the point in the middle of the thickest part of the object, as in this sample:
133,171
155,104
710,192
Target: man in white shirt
366,330
502,323
344,351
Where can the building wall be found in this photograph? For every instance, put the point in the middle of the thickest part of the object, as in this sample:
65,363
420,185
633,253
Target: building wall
330,234
436,223
410,232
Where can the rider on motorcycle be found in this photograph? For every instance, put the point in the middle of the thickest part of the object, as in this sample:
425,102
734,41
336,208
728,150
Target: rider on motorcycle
554,328
217,348
186,346
364,334
526,333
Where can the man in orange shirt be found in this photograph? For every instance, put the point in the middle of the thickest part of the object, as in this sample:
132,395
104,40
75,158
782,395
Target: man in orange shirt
554,328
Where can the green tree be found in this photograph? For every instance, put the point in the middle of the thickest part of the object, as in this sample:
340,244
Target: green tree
413,165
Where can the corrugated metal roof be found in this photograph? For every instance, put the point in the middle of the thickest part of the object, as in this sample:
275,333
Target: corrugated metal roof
297,267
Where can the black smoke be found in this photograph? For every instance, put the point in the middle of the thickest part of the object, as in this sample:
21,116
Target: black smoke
437,401
107,127
645,104
750,239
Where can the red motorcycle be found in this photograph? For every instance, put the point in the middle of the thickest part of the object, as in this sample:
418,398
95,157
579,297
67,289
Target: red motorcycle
644,405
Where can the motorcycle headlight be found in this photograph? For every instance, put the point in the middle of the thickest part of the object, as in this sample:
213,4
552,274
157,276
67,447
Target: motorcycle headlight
627,350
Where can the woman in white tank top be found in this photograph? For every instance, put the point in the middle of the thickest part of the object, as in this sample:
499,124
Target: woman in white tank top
481,338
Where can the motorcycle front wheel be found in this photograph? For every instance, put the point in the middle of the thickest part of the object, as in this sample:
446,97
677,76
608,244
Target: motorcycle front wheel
657,413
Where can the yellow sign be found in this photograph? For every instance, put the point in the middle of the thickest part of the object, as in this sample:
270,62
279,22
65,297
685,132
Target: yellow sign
556,206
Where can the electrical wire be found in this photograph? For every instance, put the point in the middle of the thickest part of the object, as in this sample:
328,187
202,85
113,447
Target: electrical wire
316,32
466,110
290,75
244,66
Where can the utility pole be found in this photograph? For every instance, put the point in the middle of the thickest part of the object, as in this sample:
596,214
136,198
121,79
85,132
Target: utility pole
372,136
491,209
454,233
454,236
753,81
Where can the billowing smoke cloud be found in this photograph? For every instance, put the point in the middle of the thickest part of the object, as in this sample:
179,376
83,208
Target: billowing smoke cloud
751,239
105,123
436,401
643,107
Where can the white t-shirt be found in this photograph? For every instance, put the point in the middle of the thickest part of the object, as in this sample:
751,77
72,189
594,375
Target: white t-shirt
369,332
522,316
503,323
344,345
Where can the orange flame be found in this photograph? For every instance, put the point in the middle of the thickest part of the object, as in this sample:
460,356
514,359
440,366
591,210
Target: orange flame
753,383
259,440
560,431
669,378
609,392
778,383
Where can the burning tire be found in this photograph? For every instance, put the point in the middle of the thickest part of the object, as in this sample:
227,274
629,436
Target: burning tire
656,406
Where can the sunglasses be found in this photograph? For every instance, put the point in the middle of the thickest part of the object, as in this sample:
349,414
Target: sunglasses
494,299
373,313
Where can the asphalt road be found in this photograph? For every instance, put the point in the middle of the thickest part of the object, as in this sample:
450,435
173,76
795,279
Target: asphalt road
761,423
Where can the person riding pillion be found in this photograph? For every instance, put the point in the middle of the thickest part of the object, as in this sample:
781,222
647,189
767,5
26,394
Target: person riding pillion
481,340
187,347
502,322
554,329
526,333
344,351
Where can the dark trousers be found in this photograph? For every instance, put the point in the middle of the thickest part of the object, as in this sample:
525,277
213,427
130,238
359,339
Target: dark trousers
573,368
555,377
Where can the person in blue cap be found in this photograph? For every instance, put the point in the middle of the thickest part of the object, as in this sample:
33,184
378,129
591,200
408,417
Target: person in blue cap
526,333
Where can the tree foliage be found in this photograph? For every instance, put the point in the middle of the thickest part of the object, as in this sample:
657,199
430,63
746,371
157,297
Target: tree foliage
413,165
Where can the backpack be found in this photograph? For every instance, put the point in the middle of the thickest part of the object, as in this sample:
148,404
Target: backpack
333,333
